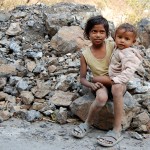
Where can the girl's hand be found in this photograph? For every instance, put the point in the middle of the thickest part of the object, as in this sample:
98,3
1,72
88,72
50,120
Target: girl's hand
95,86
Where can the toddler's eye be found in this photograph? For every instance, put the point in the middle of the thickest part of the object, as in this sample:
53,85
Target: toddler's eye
119,37
127,39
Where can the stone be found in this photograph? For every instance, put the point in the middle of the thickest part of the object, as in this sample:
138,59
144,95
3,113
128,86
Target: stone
136,135
4,16
141,119
104,118
3,96
7,69
2,82
27,97
38,106
42,89
14,29
5,115
61,98
51,68
32,115
20,14
61,115
31,65
68,40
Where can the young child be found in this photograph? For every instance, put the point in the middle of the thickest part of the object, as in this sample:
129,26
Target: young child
97,58
124,62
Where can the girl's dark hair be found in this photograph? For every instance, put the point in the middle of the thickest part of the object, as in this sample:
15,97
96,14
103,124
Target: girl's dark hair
95,21
128,28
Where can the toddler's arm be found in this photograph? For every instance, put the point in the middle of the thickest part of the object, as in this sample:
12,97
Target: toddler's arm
105,80
130,62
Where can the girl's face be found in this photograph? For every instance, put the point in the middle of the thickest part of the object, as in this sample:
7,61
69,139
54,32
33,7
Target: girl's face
124,39
97,34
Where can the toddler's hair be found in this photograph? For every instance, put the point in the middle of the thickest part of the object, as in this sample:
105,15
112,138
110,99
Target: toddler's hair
128,28
96,20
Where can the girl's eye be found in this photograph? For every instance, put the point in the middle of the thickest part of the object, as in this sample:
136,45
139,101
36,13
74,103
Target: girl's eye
93,31
102,32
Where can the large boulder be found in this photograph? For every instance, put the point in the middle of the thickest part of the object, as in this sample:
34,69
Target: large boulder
68,40
67,14
104,118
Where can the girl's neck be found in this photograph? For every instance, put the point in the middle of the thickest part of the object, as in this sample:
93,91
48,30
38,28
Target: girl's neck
97,47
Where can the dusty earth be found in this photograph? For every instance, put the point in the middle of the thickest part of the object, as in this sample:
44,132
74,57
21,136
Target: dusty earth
16,134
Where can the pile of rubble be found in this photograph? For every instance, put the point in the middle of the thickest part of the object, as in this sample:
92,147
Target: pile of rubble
39,67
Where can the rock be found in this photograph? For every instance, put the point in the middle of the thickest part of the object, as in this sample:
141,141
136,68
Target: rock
136,135
22,85
14,29
1,119
52,68
38,106
11,99
7,69
65,82
5,115
104,118
20,14
148,126
140,119
61,115
19,112
144,29
3,96
31,65
4,16
61,98
32,115
2,82
26,97
68,40
42,89
67,14
14,46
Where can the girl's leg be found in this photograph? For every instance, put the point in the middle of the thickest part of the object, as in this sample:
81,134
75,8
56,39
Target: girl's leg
99,102
118,91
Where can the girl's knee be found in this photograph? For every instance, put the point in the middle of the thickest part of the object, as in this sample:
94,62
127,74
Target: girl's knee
101,100
101,97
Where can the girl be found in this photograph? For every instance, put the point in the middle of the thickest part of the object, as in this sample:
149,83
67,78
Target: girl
97,58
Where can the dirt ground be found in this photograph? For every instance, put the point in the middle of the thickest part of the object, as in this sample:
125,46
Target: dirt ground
16,134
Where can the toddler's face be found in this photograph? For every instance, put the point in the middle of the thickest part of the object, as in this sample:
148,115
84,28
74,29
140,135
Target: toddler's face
124,39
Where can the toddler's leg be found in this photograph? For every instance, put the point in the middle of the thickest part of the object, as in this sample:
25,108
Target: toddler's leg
114,136
118,91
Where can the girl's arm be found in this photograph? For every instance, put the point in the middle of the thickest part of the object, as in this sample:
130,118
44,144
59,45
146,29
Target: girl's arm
83,72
